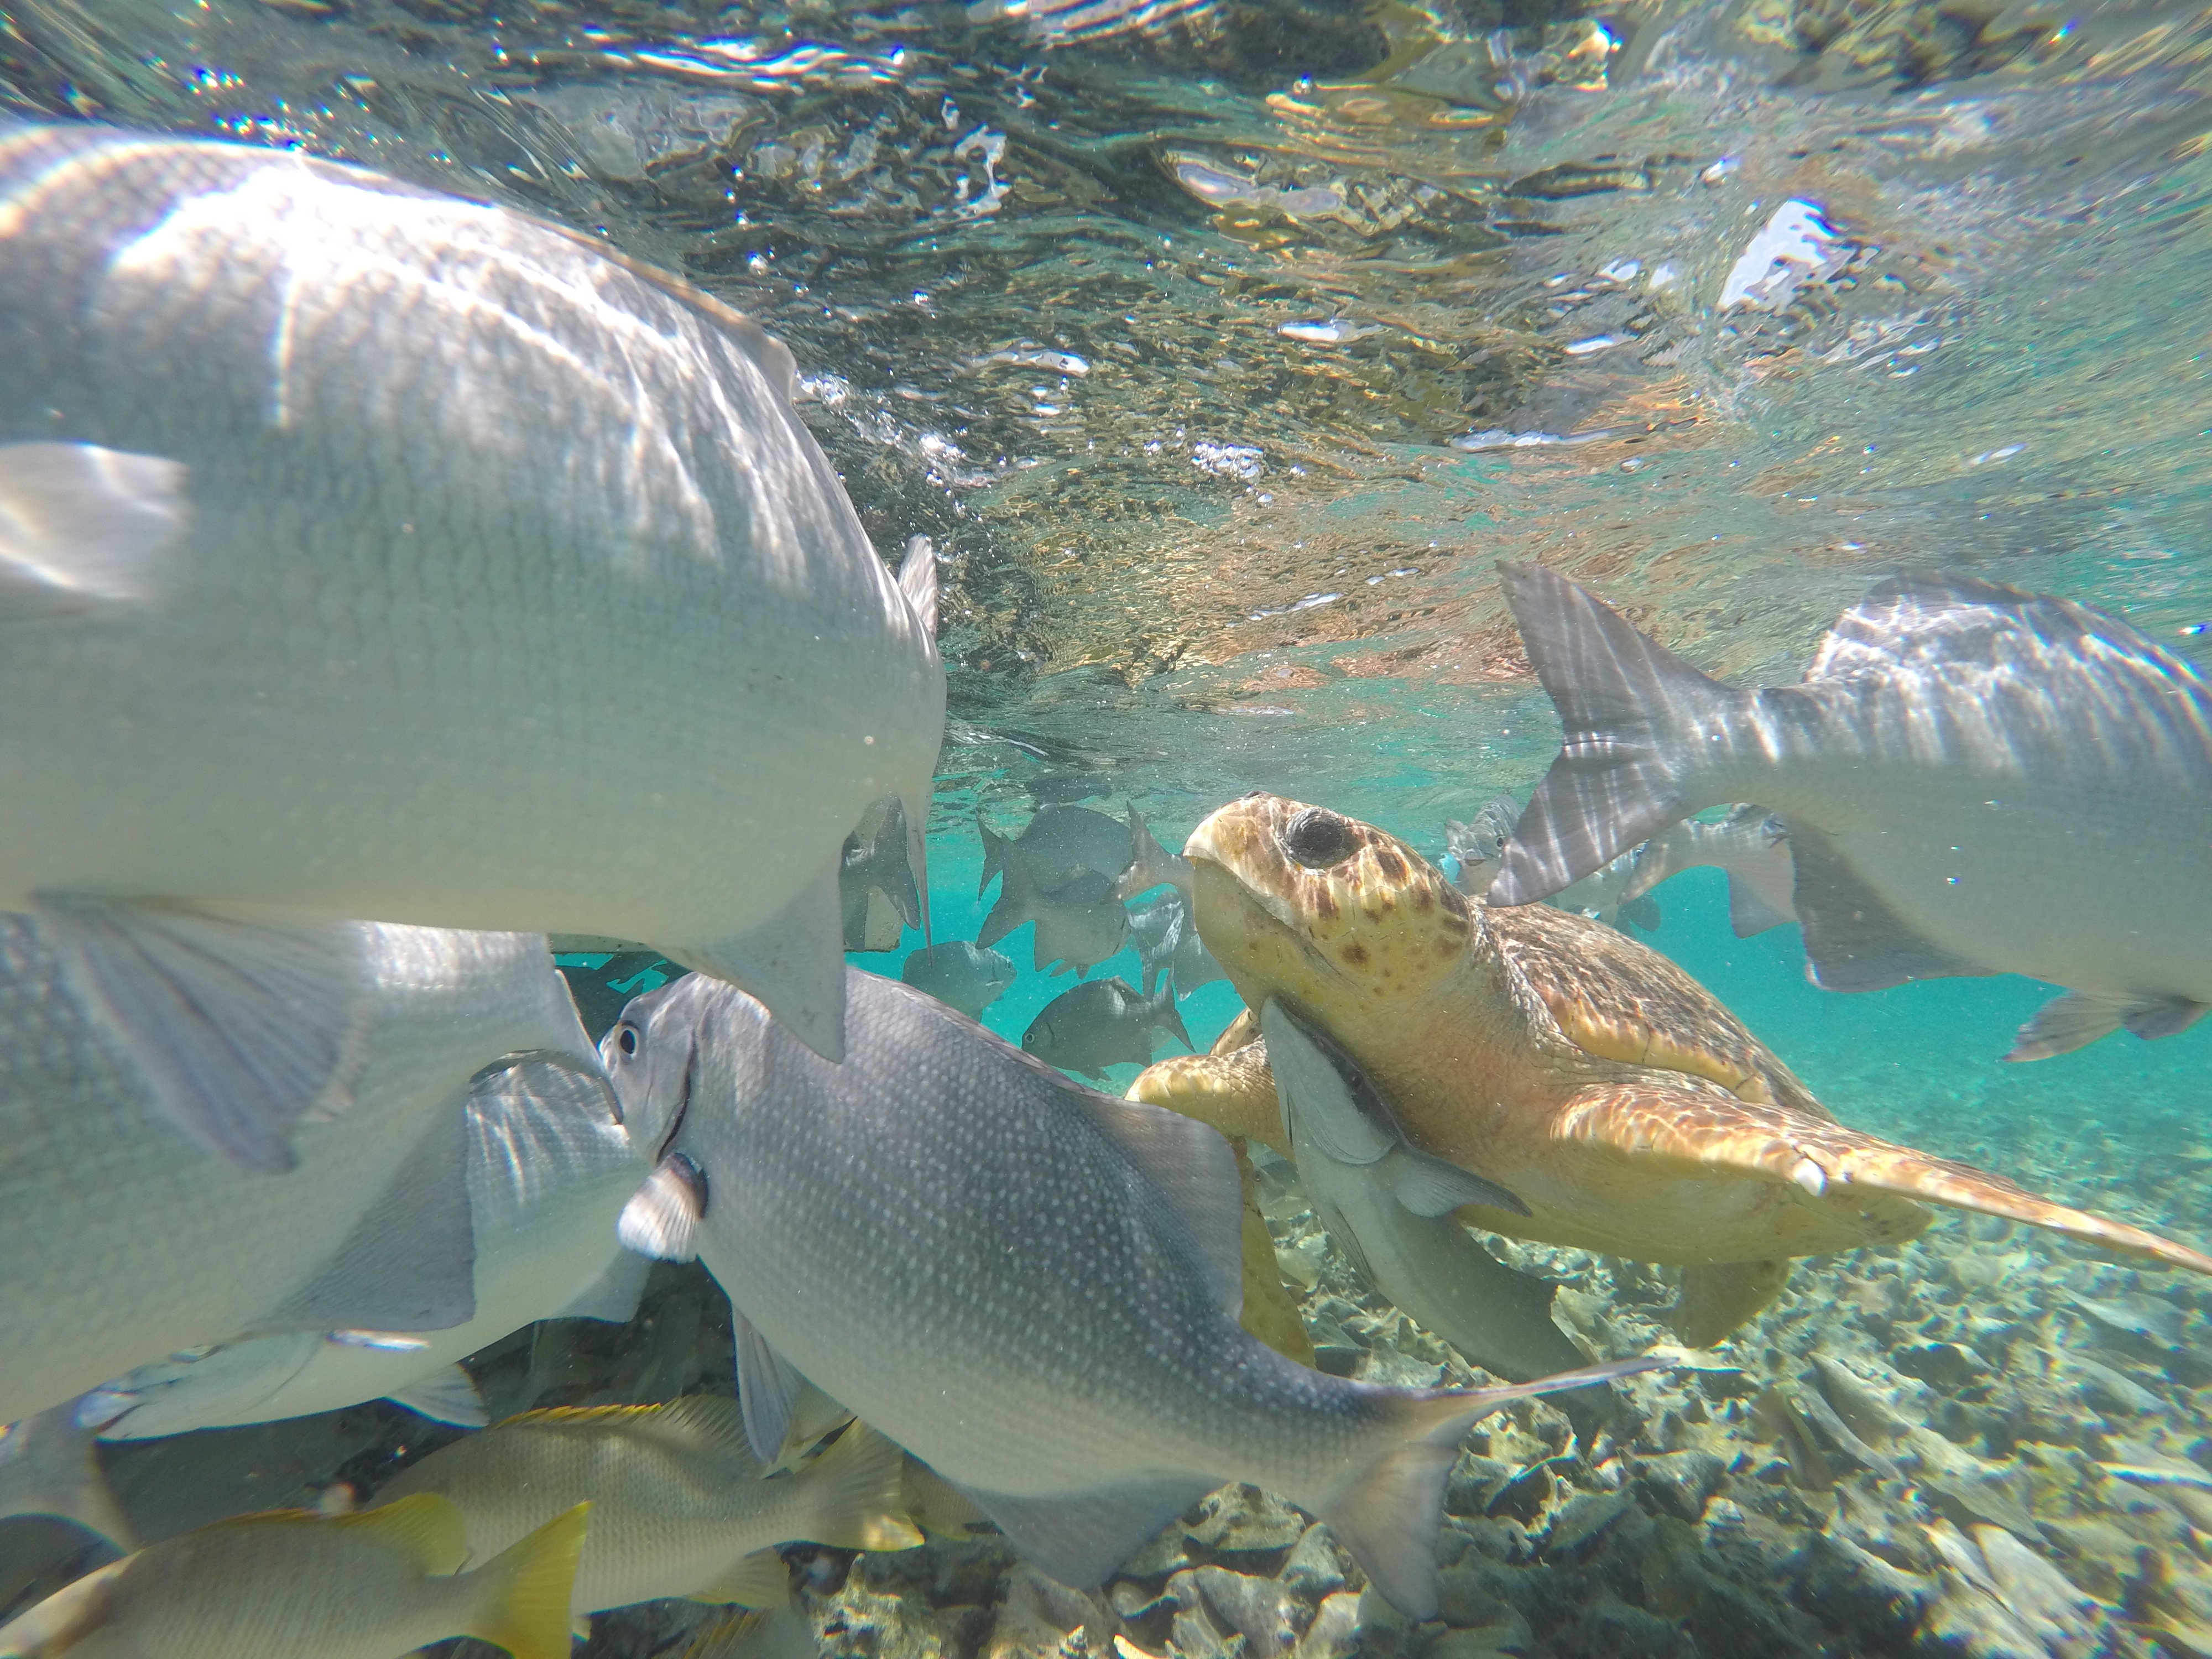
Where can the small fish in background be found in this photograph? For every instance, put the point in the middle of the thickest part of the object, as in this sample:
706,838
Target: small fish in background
876,888
1106,1022
1477,848
960,974
1953,745
293,1585
1079,924
1167,941
940,1221
680,1506
128,1239
565,507
549,1167
1750,844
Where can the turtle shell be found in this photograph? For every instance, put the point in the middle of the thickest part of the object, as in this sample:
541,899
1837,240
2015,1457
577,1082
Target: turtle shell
1617,999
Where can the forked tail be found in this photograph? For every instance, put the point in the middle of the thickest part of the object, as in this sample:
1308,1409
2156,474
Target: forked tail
1635,722
1389,1516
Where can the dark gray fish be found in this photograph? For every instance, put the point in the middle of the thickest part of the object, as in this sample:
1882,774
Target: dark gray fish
1975,779
1751,845
876,889
1079,923
1032,1287
960,975
1166,937
1105,1022
1057,846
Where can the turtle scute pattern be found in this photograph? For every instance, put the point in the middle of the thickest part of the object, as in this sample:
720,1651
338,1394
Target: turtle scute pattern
1618,1000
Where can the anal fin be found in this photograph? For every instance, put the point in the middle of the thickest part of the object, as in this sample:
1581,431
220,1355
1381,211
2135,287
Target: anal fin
1718,1297
2080,1018
769,1386
242,1027
794,963
447,1395
409,1262
757,1580
1080,1538
1853,940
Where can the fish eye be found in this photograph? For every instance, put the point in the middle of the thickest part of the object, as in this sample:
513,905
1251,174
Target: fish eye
627,1041
1317,838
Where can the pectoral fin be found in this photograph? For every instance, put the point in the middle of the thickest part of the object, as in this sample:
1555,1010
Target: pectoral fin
240,1027
768,1388
49,1464
794,962
662,1219
409,1262
81,526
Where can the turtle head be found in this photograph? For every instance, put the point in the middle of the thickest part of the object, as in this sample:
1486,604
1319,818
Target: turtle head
1300,901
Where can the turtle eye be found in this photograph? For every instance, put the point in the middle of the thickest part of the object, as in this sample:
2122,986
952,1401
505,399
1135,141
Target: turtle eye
1317,839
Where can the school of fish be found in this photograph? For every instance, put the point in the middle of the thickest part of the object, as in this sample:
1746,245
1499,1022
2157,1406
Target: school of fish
413,589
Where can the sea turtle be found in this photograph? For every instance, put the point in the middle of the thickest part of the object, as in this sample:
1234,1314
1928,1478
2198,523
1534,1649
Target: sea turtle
1584,1073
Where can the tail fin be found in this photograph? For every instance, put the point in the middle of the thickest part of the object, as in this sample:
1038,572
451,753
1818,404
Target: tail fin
1160,1007
1150,864
1387,1518
1017,896
858,1487
523,1600
50,1465
994,855
1629,712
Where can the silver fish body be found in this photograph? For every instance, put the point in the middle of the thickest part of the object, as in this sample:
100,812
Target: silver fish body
1032,1287
346,521
1750,845
125,1239
549,1168
1975,781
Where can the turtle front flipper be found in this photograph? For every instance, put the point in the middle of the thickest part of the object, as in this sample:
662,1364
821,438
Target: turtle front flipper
1233,1092
1847,1182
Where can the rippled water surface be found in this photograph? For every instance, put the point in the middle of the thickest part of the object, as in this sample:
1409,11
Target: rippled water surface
1222,347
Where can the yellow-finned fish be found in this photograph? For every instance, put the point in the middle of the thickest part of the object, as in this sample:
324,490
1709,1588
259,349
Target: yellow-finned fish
293,1584
679,1501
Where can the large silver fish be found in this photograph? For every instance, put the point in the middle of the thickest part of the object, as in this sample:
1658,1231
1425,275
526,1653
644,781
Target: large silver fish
125,1239
1032,1287
371,553
549,1166
1975,781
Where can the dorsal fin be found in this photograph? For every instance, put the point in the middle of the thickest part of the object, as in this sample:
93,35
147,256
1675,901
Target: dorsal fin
1194,1171
917,579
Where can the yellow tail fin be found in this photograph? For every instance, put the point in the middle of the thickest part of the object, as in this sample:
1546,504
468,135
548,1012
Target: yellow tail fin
859,1493
524,1606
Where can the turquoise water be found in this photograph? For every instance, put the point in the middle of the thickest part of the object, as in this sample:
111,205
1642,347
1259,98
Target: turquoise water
1223,351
